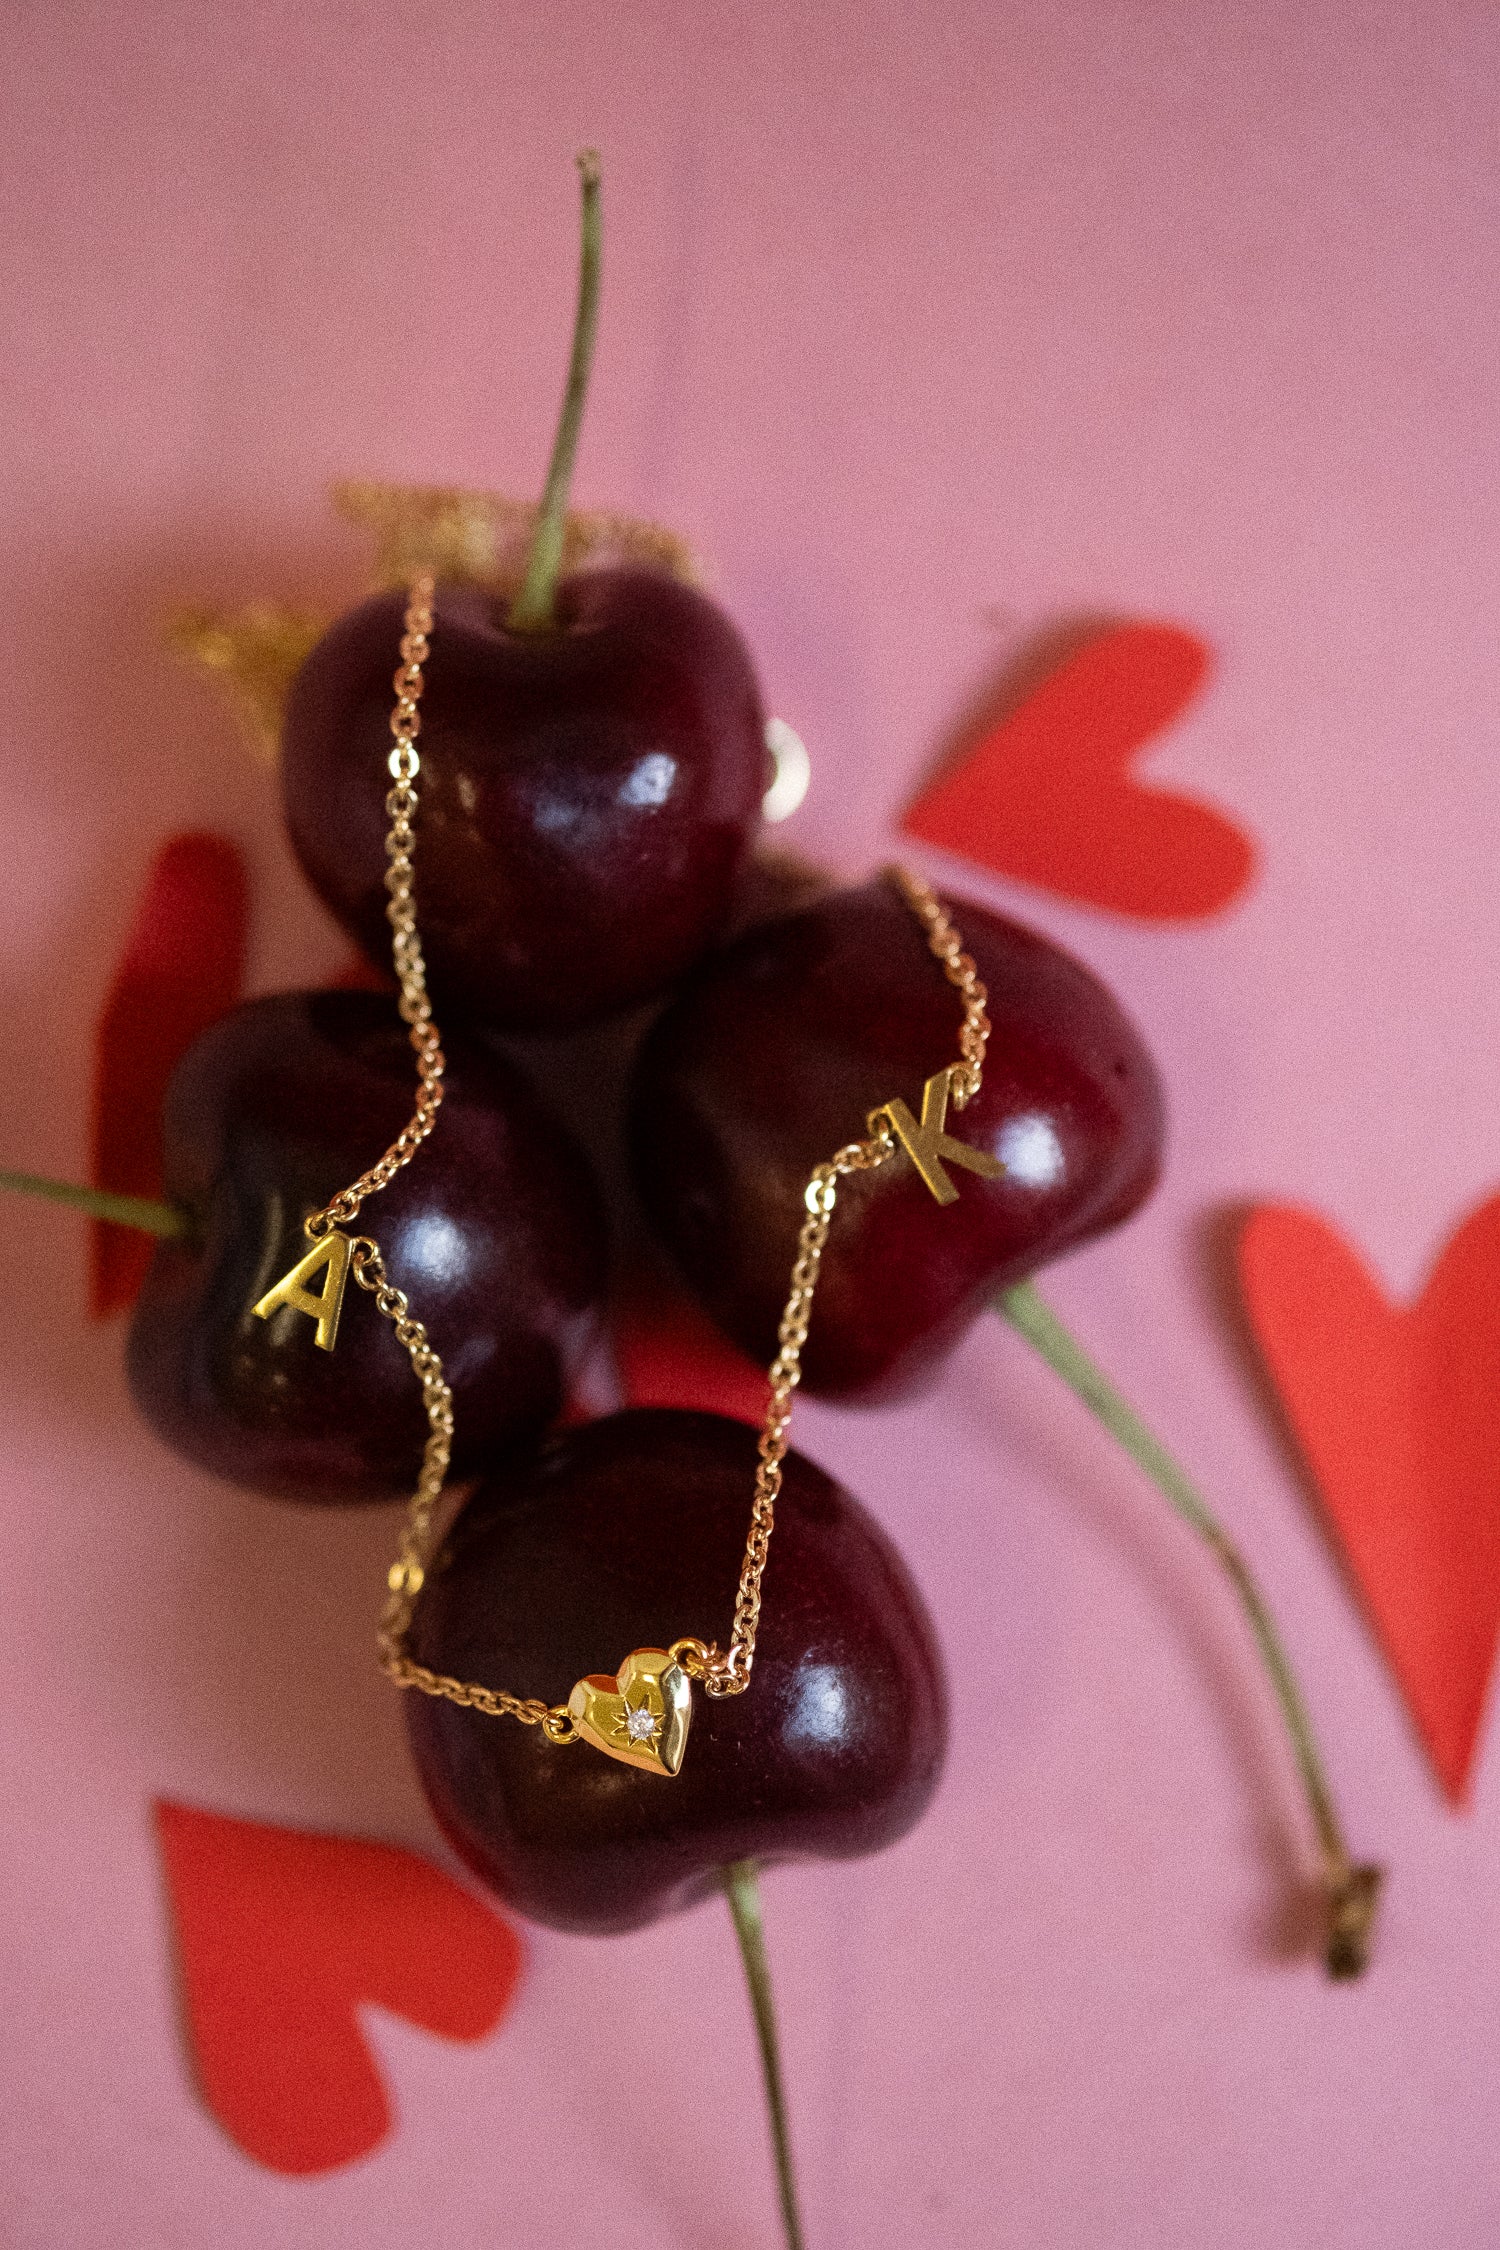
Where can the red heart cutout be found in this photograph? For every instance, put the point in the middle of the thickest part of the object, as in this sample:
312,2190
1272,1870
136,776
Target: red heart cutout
669,1353
179,973
360,974
1397,1411
281,1935
1046,794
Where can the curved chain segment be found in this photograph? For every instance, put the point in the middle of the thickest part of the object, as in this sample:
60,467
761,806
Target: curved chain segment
729,1673
401,913
720,1672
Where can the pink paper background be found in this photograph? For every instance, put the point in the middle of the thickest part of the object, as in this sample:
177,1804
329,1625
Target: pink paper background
932,325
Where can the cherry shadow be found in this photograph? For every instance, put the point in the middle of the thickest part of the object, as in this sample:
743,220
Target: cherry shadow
1188,1591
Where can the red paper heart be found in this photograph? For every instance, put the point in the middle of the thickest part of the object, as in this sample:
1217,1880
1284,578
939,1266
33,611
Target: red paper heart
359,974
180,971
282,1934
1046,794
1397,1411
669,1353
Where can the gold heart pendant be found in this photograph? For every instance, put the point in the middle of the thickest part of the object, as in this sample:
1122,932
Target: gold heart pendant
641,1716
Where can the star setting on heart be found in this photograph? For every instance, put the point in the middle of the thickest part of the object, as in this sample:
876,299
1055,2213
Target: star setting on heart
649,1733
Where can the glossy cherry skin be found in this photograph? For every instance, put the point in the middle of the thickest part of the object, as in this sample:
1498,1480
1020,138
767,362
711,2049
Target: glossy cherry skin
771,1058
588,795
628,1533
494,1231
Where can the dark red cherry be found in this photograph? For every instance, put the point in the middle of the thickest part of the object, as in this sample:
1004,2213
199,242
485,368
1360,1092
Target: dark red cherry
770,1059
628,1533
494,1231
588,795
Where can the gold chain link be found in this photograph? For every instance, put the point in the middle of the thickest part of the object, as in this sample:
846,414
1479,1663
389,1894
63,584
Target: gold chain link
406,946
729,1674
965,1078
405,1578
722,1673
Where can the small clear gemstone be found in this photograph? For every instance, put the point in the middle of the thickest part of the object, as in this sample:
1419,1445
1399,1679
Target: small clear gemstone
640,1726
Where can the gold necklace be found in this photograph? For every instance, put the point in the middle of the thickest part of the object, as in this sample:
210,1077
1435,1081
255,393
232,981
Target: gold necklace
642,1713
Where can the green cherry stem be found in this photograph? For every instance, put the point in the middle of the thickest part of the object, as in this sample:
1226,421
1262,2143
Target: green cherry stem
124,1210
1352,1889
532,609
743,1892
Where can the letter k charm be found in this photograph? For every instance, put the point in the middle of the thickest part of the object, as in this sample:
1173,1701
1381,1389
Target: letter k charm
928,1146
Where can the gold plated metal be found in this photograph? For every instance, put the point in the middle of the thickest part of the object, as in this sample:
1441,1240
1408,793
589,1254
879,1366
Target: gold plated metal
254,653
654,1684
640,1716
330,1257
944,943
482,538
728,1672
928,1145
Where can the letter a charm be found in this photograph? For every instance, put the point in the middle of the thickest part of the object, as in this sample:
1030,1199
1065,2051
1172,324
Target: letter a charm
332,1253
928,1146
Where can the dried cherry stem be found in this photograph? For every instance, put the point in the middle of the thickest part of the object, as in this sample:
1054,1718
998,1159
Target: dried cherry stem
743,1893
124,1210
532,609
1353,1889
